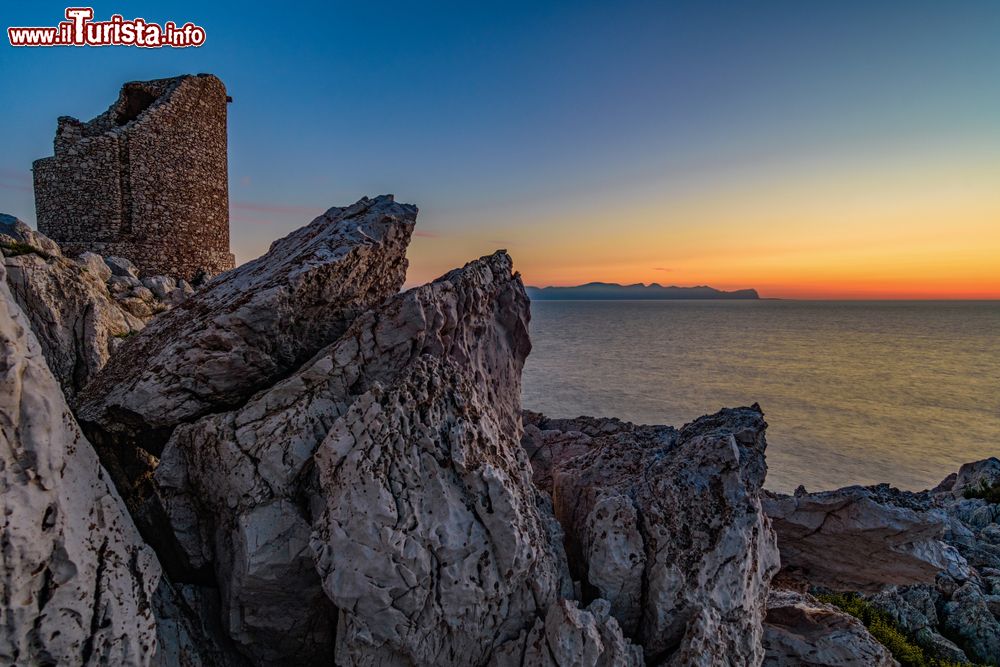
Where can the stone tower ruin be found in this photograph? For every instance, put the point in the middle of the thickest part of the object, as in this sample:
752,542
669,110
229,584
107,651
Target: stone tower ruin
146,180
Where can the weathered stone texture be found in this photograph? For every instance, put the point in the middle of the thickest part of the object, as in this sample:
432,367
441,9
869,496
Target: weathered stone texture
851,540
147,179
667,526
75,577
256,323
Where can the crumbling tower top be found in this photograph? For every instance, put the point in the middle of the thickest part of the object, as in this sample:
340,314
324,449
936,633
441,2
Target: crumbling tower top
146,180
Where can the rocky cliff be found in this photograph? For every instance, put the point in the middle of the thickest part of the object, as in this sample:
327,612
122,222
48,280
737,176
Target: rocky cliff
311,467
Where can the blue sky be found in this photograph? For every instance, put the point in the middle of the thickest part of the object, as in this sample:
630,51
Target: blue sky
560,126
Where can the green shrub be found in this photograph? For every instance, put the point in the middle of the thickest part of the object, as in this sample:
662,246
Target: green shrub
883,629
988,492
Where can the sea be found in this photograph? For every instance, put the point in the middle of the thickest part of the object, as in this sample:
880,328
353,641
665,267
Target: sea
853,392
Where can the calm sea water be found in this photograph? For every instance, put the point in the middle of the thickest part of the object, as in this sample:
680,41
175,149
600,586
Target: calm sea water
854,392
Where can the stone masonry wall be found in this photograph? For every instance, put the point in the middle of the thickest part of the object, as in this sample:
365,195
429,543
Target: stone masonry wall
146,180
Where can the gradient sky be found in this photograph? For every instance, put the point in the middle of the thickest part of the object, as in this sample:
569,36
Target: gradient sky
818,150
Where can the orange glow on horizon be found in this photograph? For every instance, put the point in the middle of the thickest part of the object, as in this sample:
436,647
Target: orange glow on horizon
924,228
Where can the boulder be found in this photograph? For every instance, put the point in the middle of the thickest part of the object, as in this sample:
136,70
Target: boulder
231,474
667,526
122,267
74,318
123,284
17,238
160,286
848,540
250,326
973,476
968,620
800,631
95,264
76,579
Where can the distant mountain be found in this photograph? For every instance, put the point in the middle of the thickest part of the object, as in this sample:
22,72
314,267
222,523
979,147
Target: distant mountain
655,291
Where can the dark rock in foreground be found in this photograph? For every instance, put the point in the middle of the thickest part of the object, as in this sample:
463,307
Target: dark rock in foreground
667,526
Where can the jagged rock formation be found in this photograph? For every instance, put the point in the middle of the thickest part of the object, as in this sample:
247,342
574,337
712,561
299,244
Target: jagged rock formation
75,319
17,237
233,470
955,617
330,471
801,631
252,325
413,589
849,540
667,526
76,579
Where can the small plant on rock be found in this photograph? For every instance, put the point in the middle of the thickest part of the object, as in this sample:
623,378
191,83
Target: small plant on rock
885,631
986,491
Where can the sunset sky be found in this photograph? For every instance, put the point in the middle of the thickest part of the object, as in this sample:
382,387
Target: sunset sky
809,150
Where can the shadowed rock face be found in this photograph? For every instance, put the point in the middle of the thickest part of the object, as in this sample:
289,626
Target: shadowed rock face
801,631
955,616
571,636
667,526
15,235
849,540
75,579
252,325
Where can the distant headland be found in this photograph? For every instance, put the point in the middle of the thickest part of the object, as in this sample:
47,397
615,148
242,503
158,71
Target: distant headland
638,291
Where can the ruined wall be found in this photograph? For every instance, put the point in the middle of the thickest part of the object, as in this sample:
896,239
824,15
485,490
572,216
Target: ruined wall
146,180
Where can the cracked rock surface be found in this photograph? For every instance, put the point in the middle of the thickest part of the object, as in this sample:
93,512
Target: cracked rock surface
801,631
251,325
234,472
850,540
571,637
430,542
667,526
76,579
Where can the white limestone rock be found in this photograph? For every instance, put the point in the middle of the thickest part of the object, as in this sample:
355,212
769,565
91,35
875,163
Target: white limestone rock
667,526
571,637
94,263
974,476
430,542
160,286
223,474
122,267
17,237
75,578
